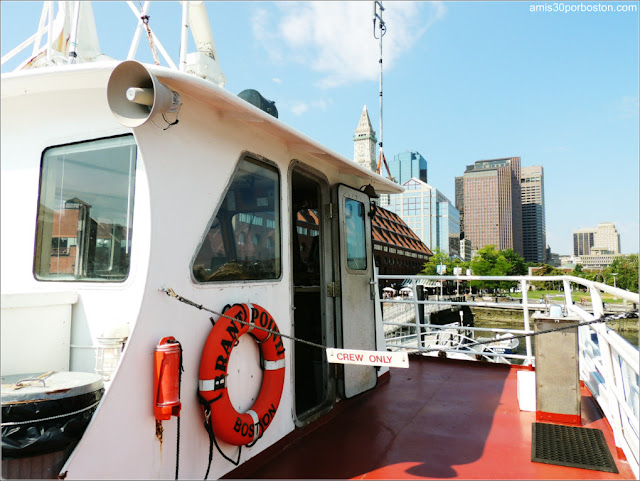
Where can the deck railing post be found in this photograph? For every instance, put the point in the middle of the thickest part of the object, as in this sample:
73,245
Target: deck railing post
420,314
525,311
610,384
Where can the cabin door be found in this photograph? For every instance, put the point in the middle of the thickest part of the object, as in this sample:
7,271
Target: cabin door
356,319
313,309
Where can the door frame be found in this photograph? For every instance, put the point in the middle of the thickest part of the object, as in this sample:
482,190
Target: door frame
327,302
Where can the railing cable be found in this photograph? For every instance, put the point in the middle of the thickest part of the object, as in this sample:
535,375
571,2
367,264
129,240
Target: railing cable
184,300
604,319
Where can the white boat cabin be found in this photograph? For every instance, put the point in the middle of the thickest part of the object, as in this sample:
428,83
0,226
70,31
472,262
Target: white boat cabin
105,208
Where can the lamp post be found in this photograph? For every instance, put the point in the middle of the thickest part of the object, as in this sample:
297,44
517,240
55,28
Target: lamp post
614,274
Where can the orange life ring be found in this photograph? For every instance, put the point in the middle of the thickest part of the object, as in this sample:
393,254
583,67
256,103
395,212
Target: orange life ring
228,424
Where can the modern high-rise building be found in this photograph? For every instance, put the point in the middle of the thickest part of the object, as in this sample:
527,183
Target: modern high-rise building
603,239
493,204
465,244
607,238
407,165
460,202
534,235
429,214
364,143
583,241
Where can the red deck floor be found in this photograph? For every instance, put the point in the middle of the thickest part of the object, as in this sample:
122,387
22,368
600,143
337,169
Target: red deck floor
437,419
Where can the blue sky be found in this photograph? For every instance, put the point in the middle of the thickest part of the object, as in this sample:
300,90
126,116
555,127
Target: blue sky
463,81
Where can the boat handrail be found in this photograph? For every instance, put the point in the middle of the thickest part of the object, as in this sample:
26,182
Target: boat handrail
609,365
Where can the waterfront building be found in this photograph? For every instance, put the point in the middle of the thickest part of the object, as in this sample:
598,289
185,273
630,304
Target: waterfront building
397,248
465,248
364,143
459,197
551,258
596,248
429,214
583,241
601,240
407,165
606,239
492,204
597,260
534,237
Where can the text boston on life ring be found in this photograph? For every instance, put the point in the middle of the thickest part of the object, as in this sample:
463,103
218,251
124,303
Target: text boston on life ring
229,425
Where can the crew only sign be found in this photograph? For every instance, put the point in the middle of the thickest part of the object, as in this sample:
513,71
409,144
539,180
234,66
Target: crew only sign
368,358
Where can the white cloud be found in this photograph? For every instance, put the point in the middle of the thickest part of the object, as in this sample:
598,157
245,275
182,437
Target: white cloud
321,104
336,39
298,108
627,107
276,80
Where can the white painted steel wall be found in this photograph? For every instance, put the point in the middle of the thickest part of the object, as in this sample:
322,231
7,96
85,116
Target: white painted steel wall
36,332
182,174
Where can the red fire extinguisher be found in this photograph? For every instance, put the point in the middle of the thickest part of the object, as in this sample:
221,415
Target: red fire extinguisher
167,367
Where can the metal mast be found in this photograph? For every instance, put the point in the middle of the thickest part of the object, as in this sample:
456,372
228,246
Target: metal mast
377,16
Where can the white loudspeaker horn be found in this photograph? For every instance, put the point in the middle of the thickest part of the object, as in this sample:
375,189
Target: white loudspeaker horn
135,95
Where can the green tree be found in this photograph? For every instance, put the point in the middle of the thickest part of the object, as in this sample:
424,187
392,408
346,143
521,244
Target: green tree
547,270
626,268
518,265
578,272
490,262
438,257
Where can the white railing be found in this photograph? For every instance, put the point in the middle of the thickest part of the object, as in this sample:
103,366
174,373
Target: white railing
609,365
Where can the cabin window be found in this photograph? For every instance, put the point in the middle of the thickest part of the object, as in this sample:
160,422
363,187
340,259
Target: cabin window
355,234
243,242
85,211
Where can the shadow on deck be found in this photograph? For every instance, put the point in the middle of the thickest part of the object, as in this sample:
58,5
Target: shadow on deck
438,419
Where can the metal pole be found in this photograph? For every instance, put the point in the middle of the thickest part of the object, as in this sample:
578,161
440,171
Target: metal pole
525,311
136,37
420,318
382,27
73,44
50,33
184,38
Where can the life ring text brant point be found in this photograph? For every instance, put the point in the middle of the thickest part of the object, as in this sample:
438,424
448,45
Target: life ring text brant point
229,425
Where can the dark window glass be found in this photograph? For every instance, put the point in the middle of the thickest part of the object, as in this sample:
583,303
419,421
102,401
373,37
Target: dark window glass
243,242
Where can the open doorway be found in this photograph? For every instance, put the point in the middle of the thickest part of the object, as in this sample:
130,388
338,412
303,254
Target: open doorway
308,240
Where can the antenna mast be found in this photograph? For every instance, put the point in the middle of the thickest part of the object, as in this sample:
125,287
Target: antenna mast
377,7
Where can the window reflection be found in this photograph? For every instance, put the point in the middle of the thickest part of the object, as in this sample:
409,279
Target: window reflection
355,234
243,242
85,211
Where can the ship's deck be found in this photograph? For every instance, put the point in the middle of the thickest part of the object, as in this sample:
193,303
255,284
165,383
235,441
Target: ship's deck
437,419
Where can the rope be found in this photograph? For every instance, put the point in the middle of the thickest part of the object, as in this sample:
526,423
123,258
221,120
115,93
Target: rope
212,438
604,319
207,405
33,421
145,20
171,293
180,371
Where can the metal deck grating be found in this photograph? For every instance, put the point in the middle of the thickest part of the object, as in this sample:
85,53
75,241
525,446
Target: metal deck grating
571,446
